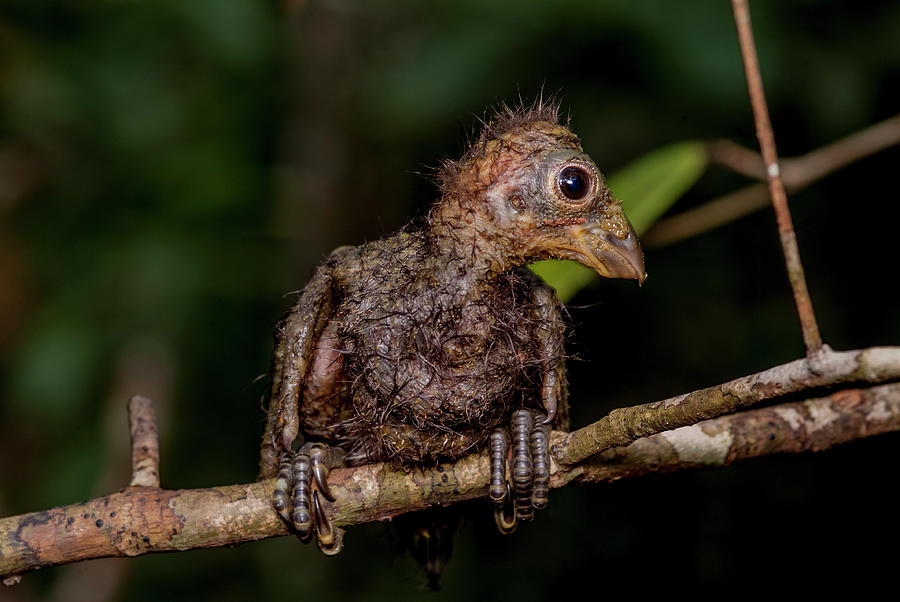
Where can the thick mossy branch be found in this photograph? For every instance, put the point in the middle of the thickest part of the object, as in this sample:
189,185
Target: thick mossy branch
138,520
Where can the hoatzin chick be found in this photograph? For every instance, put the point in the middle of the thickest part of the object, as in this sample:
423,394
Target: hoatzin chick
437,341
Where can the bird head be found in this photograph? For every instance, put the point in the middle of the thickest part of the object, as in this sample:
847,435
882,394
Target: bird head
526,191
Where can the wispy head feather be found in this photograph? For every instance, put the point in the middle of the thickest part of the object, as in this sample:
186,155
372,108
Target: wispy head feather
505,118
502,120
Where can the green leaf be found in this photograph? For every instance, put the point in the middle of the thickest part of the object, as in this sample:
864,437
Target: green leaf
566,277
647,188
650,185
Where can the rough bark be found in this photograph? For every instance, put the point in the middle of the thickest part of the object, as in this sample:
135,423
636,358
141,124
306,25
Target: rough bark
624,425
139,520
144,443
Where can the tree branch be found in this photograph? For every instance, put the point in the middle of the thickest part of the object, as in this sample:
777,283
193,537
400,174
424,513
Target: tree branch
797,172
811,425
142,519
624,425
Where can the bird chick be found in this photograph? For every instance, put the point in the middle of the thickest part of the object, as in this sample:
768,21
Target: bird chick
437,341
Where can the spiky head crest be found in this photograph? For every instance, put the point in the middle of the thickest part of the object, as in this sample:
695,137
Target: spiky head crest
509,135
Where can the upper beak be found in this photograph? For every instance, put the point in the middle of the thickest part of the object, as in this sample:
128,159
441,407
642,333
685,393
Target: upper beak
611,252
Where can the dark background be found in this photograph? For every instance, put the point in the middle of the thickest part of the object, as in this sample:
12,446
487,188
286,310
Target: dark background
170,170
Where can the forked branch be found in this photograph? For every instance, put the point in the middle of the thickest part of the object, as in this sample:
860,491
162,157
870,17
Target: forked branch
144,518
797,173
624,425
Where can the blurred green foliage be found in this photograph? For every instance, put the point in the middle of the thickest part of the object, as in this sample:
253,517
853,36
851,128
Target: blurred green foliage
170,169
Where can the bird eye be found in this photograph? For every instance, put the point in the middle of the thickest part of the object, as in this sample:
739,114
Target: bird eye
574,183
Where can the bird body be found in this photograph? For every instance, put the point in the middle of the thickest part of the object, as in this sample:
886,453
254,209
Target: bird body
426,345
423,356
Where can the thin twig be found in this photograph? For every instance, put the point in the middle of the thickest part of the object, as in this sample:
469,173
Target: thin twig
140,520
766,137
144,443
830,157
707,216
797,173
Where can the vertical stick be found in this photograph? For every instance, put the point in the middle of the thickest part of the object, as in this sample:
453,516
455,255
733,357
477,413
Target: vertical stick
144,443
766,137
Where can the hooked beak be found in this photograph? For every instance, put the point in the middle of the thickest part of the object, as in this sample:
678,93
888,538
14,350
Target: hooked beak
611,252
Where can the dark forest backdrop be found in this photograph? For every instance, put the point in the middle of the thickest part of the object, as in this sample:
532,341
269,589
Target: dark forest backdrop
170,170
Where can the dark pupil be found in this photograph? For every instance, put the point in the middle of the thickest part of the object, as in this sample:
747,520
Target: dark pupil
573,182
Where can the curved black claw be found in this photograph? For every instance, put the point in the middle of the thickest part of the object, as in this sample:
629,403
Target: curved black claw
318,458
301,476
329,537
505,512
530,469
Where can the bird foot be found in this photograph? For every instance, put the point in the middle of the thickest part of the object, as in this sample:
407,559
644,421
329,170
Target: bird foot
530,469
302,479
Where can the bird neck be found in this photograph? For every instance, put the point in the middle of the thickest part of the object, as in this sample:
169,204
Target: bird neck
466,245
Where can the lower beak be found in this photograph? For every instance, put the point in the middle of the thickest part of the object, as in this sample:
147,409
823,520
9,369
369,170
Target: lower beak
612,254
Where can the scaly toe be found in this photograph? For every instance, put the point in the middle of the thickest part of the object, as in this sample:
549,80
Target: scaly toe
540,454
522,463
282,491
300,500
529,468
499,448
